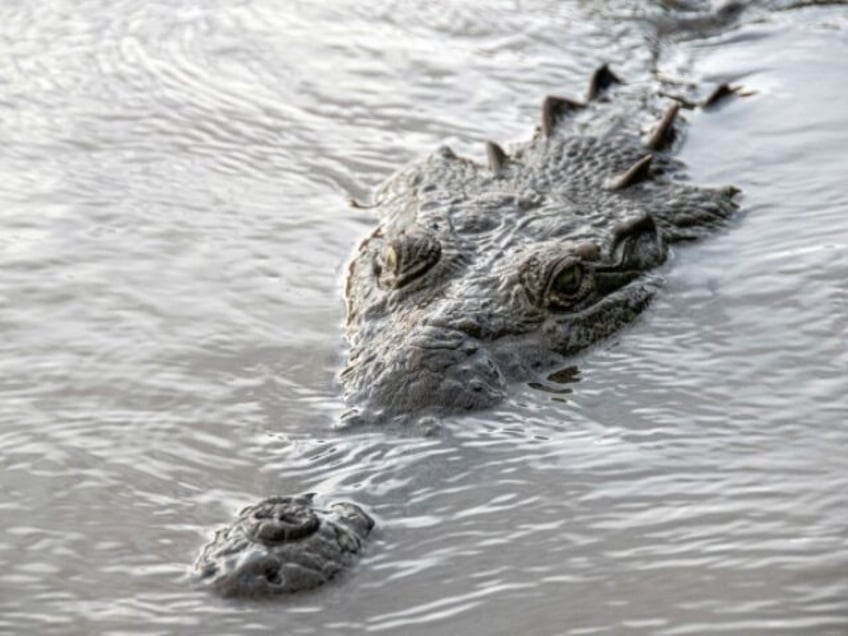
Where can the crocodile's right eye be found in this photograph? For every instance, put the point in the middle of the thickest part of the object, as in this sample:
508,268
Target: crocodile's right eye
409,256
390,260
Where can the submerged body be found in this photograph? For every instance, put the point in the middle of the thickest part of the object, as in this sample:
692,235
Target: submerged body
478,276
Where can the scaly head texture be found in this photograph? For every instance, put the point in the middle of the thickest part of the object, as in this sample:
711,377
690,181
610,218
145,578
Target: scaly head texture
479,275
282,544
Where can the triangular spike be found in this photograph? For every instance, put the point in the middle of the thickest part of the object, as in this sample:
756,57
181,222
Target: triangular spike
638,172
601,80
721,91
553,108
497,157
446,152
663,134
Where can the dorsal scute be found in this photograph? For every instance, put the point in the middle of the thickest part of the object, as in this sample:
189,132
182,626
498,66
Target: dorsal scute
497,157
638,172
663,135
553,109
601,80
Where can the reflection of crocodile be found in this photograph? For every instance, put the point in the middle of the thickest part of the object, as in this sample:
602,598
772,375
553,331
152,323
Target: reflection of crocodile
478,276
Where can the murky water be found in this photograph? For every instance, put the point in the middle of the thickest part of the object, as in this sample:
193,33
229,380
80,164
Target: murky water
172,238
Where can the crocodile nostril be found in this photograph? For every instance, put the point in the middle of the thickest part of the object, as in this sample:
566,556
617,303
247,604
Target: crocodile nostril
286,521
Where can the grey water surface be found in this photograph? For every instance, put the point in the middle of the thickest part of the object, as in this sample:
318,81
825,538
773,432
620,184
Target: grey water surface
173,233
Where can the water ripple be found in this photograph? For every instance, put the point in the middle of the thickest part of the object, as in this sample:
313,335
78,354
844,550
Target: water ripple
173,237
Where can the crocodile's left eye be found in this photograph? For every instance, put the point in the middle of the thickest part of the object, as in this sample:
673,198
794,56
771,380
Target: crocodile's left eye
409,256
566,286
567,282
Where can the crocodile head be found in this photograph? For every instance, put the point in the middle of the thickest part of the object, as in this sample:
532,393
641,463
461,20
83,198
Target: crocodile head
482,275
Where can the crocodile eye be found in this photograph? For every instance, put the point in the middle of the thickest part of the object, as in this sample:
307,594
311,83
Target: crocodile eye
568,281
566,287
408,257
390,260
554,284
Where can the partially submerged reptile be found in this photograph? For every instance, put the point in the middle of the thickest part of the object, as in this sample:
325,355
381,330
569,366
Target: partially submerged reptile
479,276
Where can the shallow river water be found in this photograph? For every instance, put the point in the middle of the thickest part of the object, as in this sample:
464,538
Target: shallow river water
173,233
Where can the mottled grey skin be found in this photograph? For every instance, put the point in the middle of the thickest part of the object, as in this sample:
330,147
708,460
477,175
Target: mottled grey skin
455,295
478,276
282,544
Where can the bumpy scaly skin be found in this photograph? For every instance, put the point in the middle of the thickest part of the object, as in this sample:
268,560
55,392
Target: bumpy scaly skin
450,298
282,544
475,277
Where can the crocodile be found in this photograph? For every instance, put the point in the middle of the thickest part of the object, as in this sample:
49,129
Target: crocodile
478,276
